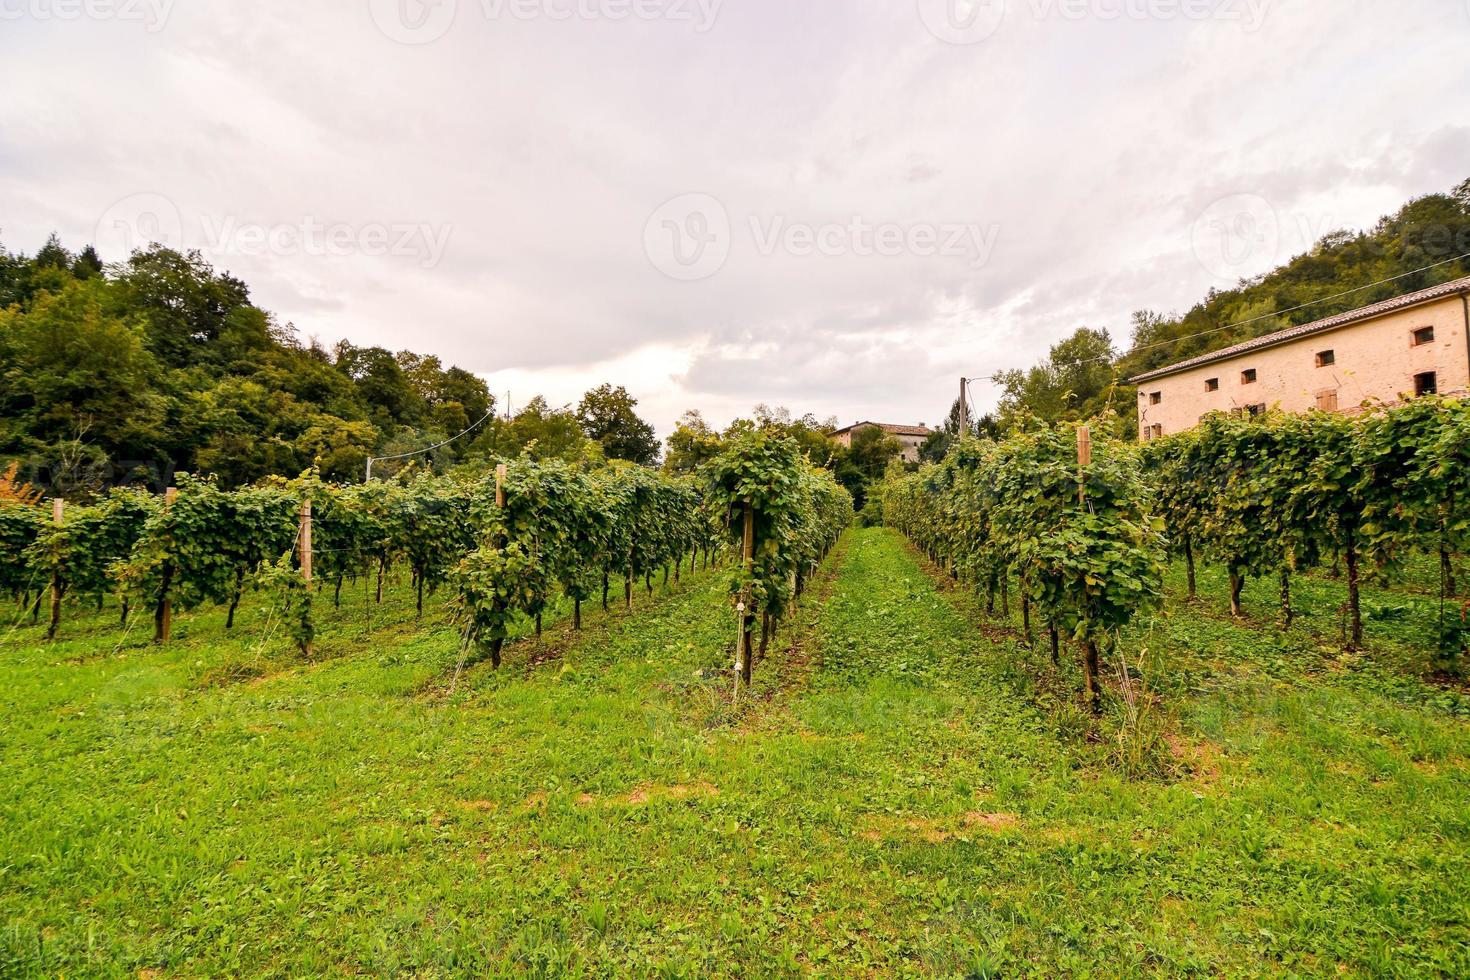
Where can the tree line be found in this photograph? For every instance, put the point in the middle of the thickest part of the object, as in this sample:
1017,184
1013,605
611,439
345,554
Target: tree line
161,363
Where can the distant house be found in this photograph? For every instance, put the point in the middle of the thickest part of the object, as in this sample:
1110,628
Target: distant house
910,437
1413,345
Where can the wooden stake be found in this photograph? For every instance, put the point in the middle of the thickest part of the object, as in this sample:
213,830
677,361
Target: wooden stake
1089,646
58,511
747,618
1084,460
304,557
500,473
305,546
163,619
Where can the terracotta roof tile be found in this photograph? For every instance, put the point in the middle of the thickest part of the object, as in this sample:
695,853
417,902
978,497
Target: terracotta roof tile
893,430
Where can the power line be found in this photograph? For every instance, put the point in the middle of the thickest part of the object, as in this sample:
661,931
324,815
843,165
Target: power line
438,445
995,378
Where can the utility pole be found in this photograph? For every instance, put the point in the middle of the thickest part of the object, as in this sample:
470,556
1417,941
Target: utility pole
964,410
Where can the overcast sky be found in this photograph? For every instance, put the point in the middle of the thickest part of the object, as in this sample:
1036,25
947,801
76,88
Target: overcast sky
840,206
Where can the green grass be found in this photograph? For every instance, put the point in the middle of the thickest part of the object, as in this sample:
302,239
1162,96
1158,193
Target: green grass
907,790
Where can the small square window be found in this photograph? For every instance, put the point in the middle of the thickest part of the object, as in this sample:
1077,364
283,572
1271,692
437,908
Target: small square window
1255,410
1248,377
1156,398
1212,384
1422,336
1327,401
1426,384
1326,358
1155,432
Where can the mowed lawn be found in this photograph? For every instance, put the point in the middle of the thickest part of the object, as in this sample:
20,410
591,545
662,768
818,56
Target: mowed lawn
907,791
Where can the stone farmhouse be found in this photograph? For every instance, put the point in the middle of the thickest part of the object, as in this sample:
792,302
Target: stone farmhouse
1413,345
910,437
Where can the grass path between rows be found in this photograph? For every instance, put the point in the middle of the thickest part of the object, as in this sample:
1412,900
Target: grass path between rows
887,801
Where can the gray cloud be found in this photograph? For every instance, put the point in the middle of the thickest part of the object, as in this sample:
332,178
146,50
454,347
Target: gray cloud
1091,147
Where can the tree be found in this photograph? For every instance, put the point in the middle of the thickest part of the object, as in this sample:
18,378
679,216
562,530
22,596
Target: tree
1076,382
607,416
692,444
184,303
382,384
540,433
68,368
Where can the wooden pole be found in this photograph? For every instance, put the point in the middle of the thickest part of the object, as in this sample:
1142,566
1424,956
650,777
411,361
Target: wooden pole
304,556
1089,645
747,617
58,512
964,411
305,546
163,620
1084,460
502,539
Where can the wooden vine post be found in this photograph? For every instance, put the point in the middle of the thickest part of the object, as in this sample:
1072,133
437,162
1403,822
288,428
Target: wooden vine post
1089,645
58,512
1084,460
747,615
163,614
304,556
502,540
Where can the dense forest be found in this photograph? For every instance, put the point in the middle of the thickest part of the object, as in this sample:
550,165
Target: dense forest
162,363
114,374
1424,244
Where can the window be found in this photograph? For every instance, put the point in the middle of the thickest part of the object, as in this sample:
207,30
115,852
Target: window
1248,377
1156,398
1326,358
1153,432
1212,384
1426,384
1254,410
1422,336
1327,401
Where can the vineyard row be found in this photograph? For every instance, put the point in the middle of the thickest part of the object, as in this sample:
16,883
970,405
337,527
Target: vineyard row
506,546
1086,535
